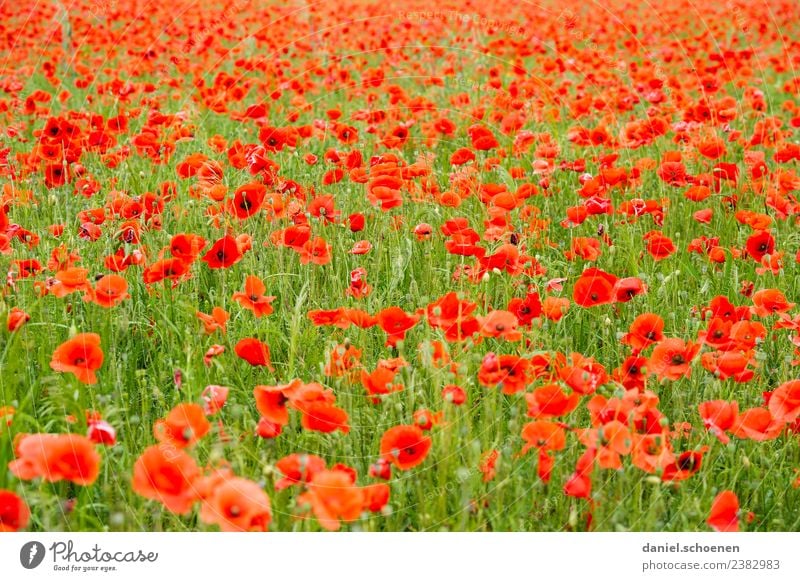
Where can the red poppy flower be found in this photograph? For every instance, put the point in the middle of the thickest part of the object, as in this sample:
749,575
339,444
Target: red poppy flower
14,513
298,469
322,416
672,359
237,505
760,244
543,435
724,515
550,401
271,401
757,424
594,287
81,356
217,320
167,475
184,426
56,457
500,324
405,446
187,247
684,466
16,319
507,371
396,323
255,352
784,402
108,292
719,416
454,394
223,253
645,330
333,498
585,374
253,298
658,245
769,302
247,200
174,269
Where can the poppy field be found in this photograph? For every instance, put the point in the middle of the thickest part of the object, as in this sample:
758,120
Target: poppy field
399,265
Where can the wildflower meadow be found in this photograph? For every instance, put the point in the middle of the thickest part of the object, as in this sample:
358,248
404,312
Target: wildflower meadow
398,265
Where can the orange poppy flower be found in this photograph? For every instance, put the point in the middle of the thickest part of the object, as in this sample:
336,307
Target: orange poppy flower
554,308
237,505
322,416
298,469
81,356
645,330
543,435
769,302
56,457
611,441
253,298
184,426
585,374
271,401
173,269
719,416
757,424
217,320
167,475
14,513
724,515
108,292
70,280
672,359
550,401
784,402
405,446
333,498
500,324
